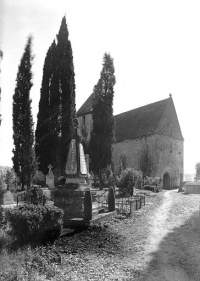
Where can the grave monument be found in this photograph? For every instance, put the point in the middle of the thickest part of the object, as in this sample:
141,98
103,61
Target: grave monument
50,177
70,196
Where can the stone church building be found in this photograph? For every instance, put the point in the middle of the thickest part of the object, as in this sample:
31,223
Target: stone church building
155,126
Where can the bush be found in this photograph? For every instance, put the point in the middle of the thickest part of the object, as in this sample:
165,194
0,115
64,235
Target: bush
34,223
38,178
128,178
152,184
2,217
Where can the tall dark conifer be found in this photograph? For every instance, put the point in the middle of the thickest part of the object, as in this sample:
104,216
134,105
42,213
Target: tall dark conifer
102,135
67,91
57,104
23,159
46,130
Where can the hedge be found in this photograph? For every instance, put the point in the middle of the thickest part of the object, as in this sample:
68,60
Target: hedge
35,223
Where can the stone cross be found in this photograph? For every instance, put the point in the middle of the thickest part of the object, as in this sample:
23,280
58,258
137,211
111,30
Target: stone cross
50,167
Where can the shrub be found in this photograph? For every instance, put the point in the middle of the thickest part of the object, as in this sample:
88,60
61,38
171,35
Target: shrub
152,184
34,223
128,178
2,217
38,178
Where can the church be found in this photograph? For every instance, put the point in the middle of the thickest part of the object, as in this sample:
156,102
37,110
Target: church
155,126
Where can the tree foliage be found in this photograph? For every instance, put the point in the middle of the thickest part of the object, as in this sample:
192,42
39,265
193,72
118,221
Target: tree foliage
57,104
1,56
10,179
197,168
23,158
145,161
102,135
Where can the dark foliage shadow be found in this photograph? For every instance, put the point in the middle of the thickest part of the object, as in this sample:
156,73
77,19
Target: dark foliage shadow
97,238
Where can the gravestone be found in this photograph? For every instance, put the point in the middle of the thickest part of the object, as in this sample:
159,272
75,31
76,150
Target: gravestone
50,177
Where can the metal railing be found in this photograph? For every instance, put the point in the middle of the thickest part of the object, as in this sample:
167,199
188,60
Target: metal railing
101,199
127,205
31,197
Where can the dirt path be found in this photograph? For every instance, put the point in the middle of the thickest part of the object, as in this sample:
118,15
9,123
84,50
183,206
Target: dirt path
159,243
173,248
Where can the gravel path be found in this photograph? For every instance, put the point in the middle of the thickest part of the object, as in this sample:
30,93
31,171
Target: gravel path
159,242
173,251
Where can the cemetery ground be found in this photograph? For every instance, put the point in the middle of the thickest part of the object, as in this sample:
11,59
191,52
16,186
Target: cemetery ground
161,241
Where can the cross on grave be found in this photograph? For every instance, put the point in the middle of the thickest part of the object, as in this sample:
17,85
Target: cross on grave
50,167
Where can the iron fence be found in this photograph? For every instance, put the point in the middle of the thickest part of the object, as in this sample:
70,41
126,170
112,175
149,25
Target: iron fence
127,205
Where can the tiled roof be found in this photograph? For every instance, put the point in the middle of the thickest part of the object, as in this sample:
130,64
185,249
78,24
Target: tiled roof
158,117
86,107
143,121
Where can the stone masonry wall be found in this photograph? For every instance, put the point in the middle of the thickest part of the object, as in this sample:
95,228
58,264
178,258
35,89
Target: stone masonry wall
87,128
164,150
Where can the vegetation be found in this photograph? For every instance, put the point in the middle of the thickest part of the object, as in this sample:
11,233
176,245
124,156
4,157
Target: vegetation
34,223
57,104
145,161
102,135
23,159
197,168
128,178
152,184
38,178
1,56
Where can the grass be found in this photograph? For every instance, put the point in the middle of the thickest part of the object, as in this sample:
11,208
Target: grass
28,263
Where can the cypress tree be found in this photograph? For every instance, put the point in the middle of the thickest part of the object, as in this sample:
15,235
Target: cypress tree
67,91
23,158
102,135
46,130
57,104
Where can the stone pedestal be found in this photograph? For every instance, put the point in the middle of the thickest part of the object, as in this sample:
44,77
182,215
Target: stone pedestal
70,198
46,191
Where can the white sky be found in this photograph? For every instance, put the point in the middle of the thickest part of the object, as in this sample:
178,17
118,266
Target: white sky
155,45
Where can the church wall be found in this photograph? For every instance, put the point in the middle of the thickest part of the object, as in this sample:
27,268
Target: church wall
86,125
164,150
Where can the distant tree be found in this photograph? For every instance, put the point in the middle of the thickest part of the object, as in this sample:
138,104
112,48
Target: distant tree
197,168
10,179
2,182
1,56
102,135
23,159
55,123
145,161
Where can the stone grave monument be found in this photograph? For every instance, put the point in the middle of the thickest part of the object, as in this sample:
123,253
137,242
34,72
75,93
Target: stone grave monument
70,196
50,177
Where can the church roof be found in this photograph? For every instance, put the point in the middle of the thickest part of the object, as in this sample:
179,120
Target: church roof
86,107
155,118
